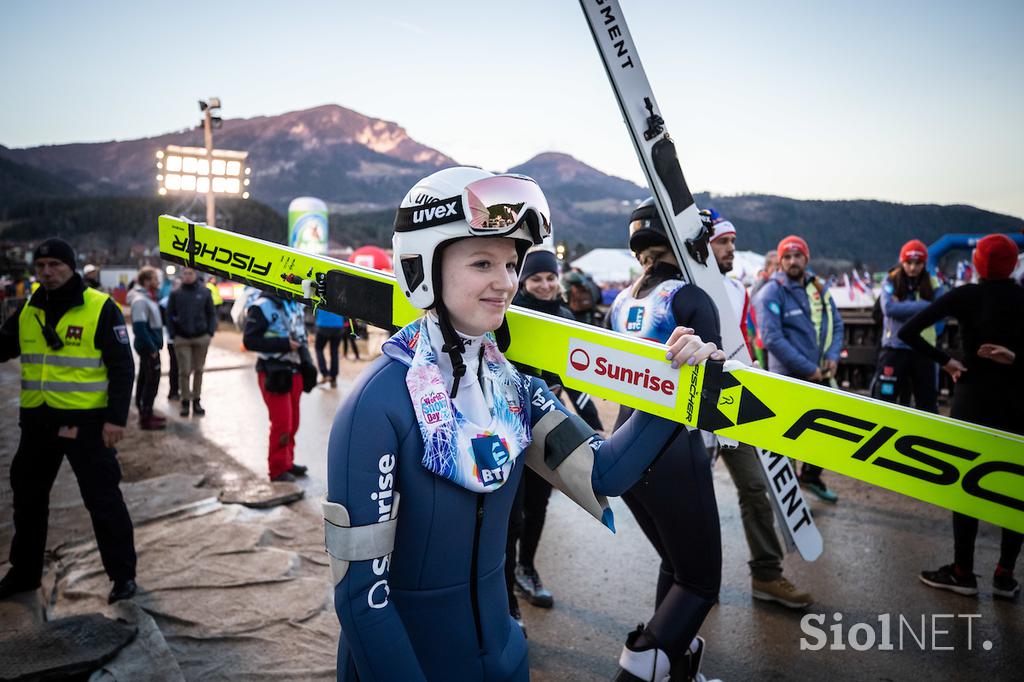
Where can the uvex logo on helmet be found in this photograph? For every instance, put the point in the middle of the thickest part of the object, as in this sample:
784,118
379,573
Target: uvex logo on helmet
579,359
422,215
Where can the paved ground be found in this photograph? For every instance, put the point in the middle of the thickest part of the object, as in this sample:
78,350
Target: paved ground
875,543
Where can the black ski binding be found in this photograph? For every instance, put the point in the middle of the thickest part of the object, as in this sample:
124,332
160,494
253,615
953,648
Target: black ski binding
655,123
698,246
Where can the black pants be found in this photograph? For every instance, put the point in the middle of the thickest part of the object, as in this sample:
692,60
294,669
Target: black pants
525,523
674,504
990,403
33,471
147,384
324,336
348,338
172,371
903,372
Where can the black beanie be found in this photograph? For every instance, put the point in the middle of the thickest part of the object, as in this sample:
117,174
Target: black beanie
538,261
56,248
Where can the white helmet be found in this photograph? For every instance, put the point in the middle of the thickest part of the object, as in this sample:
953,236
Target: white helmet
456,203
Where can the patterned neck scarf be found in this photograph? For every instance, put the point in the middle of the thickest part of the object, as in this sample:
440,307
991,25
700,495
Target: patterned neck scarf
478,457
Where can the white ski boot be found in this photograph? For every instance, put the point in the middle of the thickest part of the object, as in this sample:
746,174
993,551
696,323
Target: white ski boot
643,665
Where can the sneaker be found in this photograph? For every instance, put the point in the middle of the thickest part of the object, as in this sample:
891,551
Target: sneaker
174,396
298,470
1005,587
285,477
529,584
946,579
517,616
123,589
197,409
12,584
782,591
817,486
184,408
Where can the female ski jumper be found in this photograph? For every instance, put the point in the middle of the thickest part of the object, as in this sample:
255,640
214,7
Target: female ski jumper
427,451
674,503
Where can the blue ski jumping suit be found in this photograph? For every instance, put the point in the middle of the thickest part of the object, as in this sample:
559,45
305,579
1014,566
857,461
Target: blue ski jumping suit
436,608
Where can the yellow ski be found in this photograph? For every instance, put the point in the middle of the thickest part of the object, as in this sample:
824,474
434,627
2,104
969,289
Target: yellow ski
972,469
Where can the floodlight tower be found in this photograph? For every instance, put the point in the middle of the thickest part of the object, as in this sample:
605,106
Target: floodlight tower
209,108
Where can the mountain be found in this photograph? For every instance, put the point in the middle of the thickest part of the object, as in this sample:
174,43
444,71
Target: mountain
591,209
117,227
328,151
588,207
863,231
19,183
362,166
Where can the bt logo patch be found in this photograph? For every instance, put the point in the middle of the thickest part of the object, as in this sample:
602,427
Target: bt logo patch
491,452
635,319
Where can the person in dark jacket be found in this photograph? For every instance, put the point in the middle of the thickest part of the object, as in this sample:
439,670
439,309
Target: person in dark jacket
147,326
76,387
191,324
674,503
540,290
987,391
584,297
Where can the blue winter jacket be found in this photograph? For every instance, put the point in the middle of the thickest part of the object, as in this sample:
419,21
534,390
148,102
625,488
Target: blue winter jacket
897,312
784,314
436,608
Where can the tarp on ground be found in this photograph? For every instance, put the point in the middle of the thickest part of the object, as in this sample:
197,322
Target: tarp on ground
219,574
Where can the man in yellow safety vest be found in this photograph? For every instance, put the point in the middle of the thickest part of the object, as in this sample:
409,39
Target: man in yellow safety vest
76,385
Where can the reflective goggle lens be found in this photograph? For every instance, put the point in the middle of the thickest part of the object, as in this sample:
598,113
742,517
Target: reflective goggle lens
495,206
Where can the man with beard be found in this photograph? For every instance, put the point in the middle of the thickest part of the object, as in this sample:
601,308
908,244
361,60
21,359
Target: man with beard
802,332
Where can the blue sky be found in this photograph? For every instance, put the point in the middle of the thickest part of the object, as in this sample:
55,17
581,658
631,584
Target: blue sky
903,100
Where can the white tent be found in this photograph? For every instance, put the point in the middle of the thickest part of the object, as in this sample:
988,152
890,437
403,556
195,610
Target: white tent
746,265
609,265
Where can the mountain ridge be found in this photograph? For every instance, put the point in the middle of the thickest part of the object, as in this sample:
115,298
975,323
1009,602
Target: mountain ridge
361,166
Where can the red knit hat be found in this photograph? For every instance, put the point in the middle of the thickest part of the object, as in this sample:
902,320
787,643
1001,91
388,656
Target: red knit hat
995,257
793,242
914,250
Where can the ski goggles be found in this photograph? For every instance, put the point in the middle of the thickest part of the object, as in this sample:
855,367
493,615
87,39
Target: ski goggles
492,207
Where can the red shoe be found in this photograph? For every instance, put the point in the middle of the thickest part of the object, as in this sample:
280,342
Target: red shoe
152,424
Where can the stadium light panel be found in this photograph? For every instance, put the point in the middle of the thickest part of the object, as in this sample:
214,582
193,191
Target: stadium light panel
188,169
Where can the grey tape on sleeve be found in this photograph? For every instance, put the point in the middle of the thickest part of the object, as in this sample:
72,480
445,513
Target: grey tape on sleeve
346,543
573,476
